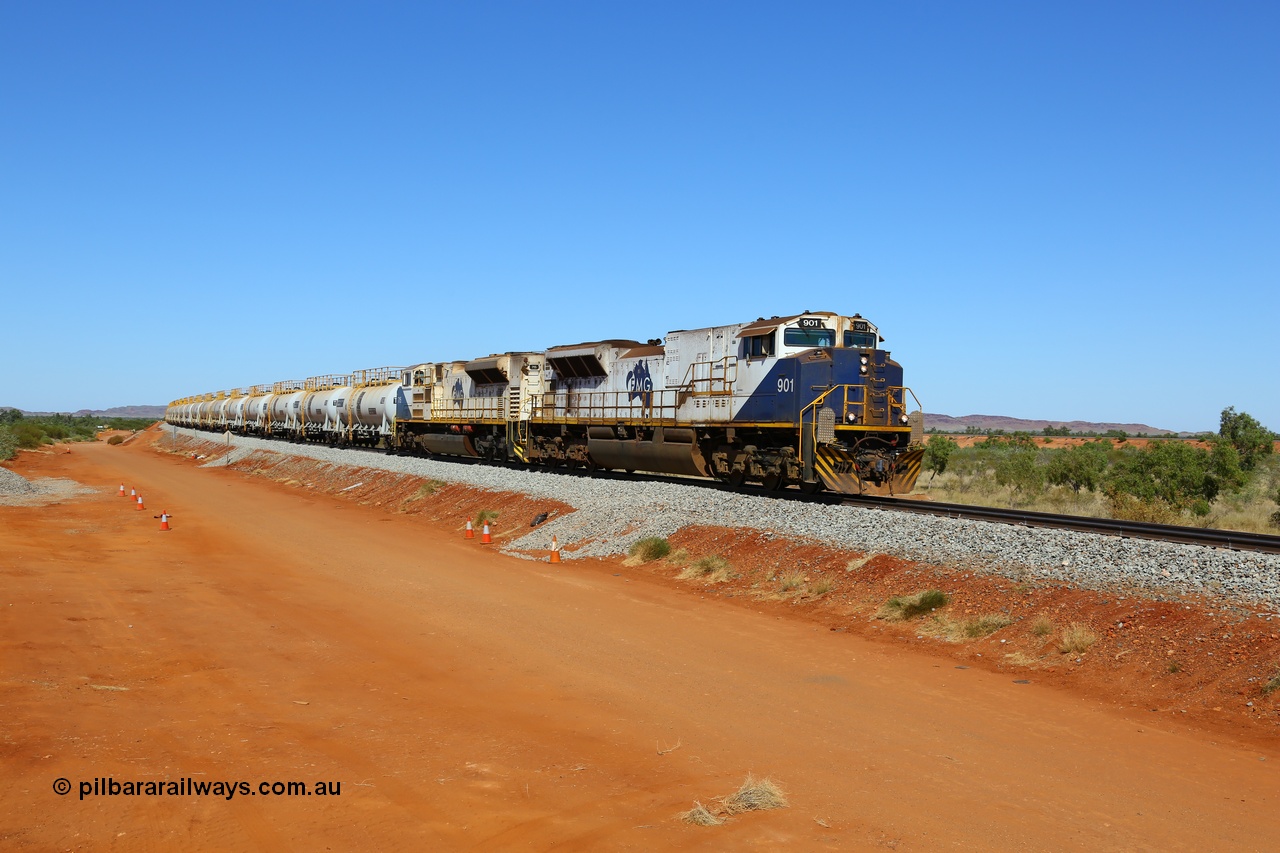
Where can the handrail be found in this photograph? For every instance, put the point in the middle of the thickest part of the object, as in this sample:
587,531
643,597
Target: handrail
895,403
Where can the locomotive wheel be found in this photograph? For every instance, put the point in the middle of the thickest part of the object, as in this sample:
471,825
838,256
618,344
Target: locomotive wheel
735,479
772,482
811,488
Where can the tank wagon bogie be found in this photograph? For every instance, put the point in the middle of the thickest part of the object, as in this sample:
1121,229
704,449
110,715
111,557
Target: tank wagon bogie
808,400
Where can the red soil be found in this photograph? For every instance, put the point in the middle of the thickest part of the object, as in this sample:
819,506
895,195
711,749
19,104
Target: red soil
470,700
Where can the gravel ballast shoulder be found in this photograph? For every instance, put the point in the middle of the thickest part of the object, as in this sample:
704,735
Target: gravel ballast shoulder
611,515
12,485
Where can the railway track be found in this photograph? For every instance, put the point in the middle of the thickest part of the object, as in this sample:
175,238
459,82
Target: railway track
1234,540
1208,537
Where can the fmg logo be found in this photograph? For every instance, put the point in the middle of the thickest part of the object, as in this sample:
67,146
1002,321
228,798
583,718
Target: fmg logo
639,382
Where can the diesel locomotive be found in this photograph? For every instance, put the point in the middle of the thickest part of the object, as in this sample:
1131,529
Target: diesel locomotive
809,400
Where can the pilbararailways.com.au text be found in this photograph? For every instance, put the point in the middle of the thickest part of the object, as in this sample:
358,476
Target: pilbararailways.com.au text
106,786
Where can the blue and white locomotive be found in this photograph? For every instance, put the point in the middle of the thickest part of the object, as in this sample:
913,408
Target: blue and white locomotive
808,400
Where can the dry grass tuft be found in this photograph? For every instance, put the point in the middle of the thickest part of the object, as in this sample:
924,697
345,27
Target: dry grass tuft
699,815
1077,637
790,581
649,548
679,557
485,515
1022,659
755,795
714,569
859,562
1271,686
1042,626
903,607
983,626
820,588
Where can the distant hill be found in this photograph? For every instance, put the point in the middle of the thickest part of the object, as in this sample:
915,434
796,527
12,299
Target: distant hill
156,412
946,423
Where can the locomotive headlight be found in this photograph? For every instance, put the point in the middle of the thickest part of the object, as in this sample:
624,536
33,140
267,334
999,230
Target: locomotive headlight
864,359
904,420
863,370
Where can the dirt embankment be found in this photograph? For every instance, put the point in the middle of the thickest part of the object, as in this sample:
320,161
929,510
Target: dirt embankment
1209,662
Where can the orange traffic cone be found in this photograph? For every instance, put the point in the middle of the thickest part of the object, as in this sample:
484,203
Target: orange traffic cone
555,550
470,534
164,521
133,493
140,506
485,538
122,494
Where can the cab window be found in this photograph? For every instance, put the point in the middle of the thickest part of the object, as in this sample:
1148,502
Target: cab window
809,338
759,346
860,340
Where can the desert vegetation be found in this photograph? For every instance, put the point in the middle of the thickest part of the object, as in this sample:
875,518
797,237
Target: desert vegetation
900,608
649,548
753,795
19,431
1230,479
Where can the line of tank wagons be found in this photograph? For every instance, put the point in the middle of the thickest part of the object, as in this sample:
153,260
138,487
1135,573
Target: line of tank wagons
797,400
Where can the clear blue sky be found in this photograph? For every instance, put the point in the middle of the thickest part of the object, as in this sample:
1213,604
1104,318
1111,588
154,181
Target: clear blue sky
1058,211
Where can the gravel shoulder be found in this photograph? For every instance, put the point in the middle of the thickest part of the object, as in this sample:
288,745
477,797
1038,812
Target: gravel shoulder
611,515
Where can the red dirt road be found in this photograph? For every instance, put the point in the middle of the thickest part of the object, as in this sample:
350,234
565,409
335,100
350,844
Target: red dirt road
469,700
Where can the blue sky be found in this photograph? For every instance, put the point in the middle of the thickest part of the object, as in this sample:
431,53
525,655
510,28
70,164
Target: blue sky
1052,211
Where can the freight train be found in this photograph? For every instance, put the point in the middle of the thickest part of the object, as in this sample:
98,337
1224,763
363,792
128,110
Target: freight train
807,401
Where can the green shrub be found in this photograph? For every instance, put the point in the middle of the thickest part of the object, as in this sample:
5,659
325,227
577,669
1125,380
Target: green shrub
903,607
650,548
28,434
115,439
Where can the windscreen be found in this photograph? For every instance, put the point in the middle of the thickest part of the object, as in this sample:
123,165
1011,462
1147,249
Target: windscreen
809,338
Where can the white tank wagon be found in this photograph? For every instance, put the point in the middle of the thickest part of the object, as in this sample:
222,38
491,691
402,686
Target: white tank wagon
320,415
226,412
236,410
365,411
284,409
254,413
209,410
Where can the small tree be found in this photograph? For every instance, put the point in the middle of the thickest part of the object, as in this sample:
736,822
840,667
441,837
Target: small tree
937,453
1018,469
1176,473
1251,439
1080,467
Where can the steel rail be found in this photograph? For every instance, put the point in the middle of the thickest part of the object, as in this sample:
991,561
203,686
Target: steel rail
1211,537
